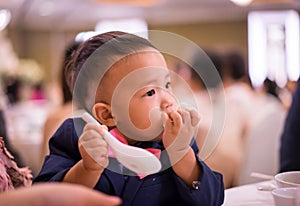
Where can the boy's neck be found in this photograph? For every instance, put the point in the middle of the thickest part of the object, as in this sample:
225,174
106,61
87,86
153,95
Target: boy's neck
115,132
131,141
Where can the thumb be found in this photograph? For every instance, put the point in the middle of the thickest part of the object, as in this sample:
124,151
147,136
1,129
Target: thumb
164,118
195,117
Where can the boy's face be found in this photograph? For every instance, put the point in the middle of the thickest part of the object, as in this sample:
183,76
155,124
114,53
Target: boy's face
139,87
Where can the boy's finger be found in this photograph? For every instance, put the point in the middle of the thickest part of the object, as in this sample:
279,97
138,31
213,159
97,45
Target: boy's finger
195,117
186,118
164,118
175,118
102,128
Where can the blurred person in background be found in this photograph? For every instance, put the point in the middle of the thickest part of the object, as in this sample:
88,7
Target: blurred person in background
285,94
3,127
270,87
38,92
12,88
263,136
290,139
239,96
202,84
253,123
63,111
26,112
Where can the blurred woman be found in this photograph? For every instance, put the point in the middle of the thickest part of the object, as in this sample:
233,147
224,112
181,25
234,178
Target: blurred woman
59,114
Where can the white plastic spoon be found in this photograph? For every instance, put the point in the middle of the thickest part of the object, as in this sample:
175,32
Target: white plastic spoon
136,159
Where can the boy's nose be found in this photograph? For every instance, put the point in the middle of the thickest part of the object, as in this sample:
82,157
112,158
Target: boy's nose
167,106
168,102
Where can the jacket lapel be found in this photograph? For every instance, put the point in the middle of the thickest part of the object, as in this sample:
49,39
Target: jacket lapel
131,188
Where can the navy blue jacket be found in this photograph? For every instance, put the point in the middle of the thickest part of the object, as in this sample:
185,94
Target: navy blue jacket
290,139
163,188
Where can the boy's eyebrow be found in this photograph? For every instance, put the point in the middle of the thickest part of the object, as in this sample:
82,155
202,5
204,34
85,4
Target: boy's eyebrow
167,75
155,80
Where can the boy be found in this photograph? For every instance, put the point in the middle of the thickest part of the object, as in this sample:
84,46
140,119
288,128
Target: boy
124,82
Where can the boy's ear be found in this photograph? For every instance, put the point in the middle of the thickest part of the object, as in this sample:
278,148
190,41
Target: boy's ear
102,112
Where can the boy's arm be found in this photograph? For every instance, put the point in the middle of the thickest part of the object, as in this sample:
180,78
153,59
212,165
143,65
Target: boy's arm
210,190
205,189
179,131
79,174
187,168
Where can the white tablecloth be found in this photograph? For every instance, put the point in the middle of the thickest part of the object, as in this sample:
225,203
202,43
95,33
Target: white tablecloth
249,195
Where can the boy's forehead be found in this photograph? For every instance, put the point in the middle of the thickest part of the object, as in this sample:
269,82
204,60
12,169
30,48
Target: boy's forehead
142,58
139,60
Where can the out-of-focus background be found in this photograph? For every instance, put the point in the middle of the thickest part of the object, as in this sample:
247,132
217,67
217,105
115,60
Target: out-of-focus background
40,29
35,33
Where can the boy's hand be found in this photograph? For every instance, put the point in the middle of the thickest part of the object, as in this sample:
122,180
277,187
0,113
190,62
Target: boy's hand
93,148
180,127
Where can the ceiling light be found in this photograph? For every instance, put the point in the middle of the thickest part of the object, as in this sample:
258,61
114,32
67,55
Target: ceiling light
242,2
46,8
4,18
144,3
132,25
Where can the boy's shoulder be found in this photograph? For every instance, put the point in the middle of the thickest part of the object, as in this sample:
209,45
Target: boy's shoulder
71,125
65,139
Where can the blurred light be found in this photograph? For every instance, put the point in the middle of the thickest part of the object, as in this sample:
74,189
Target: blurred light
242,2
82,36
134,26
46,8
292,45
144,3
257,49
5,17
273,43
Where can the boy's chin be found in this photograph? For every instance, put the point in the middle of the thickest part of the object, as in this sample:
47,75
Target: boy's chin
158,138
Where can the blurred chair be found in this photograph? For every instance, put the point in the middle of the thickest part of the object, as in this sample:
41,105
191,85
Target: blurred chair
263,141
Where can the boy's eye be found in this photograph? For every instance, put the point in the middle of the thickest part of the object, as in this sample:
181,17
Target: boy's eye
150,93
168,85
